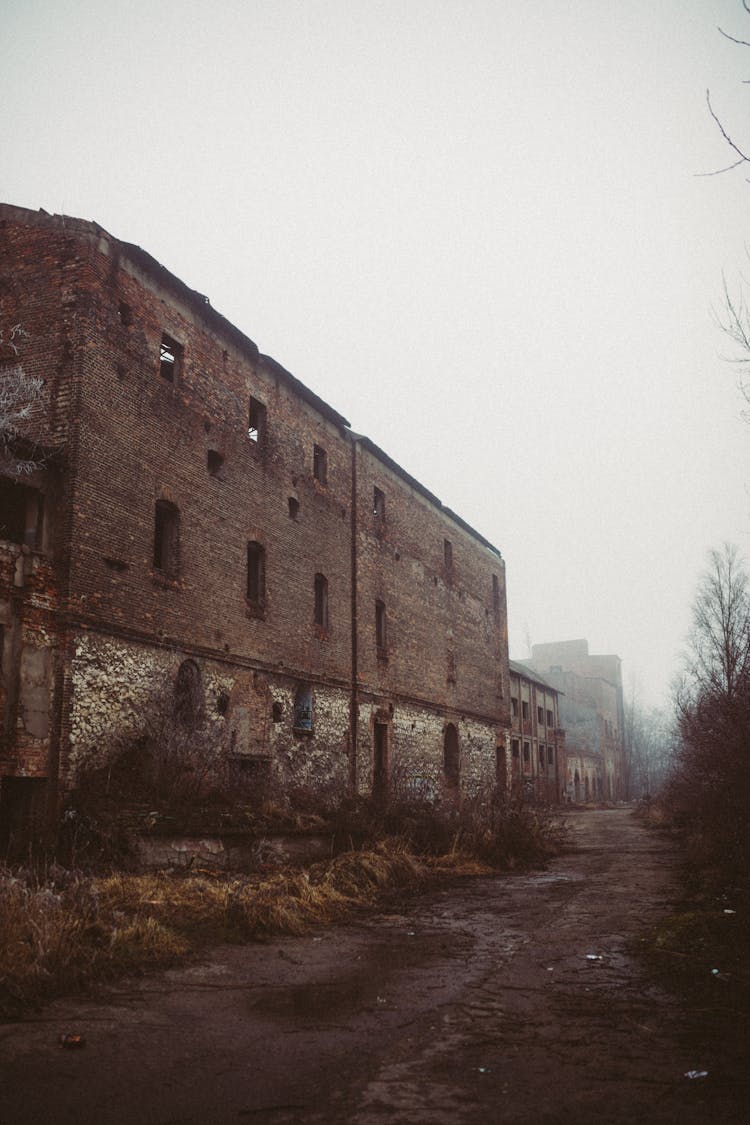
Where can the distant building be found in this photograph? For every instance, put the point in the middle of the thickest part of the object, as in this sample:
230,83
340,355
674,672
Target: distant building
205,524
537,742
592,713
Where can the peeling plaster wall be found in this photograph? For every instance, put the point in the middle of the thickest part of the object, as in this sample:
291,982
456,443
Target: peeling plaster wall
319,760
415,750
114,682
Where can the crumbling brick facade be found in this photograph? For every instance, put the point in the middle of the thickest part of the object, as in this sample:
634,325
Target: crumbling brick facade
204,507
537,740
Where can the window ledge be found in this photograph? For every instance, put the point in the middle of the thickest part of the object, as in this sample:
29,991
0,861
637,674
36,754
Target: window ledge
383,655
165,581
255,610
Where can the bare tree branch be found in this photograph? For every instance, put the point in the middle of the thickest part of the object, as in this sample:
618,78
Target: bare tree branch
741,42
723,131
720,171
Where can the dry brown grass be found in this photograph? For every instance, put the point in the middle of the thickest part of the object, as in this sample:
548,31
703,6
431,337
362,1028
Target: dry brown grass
56,935
65,930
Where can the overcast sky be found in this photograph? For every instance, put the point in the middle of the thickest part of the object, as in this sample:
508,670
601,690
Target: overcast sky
475,227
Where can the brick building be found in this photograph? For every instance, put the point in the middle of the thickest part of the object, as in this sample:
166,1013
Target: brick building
205,523
537,742
592,713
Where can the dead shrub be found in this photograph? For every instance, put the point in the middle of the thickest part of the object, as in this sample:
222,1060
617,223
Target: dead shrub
490,828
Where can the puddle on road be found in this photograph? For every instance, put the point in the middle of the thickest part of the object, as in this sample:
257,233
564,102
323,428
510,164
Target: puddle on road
546,879
365,982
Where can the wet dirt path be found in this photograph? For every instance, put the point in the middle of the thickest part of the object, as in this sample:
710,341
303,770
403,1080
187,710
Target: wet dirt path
512,999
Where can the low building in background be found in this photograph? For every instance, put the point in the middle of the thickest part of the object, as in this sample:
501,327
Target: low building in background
592,713
537,742
209,543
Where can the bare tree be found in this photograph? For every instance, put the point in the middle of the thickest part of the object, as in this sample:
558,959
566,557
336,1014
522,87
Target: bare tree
718,659
648,744
709,789
19,395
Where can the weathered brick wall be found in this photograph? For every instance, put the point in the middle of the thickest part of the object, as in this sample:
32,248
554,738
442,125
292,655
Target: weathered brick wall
144,439
445,626
96,311
42,291
30,640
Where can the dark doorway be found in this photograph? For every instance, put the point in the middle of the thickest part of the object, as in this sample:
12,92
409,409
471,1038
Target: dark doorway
21,813
501,768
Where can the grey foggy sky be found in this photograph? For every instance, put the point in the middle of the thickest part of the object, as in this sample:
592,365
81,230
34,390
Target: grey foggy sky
474,227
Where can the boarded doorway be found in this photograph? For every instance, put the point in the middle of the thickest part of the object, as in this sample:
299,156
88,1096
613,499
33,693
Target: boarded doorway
22,805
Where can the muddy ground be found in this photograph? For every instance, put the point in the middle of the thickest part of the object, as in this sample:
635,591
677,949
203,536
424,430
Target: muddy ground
509,999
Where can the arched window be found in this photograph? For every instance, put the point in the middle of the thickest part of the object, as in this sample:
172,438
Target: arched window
451,764
188,693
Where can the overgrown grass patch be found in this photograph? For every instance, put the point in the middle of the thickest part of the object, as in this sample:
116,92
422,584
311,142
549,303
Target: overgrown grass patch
704,947
62,929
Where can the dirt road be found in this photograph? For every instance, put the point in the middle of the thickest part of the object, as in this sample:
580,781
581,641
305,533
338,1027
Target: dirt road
512,999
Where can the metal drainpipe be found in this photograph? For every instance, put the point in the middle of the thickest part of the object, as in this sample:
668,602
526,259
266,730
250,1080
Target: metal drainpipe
354,701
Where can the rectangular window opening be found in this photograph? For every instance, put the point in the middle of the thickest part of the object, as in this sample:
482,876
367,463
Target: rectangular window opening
451,668
540,716
21,513
381,638
320,464
550,719
256,576
256,423
524,709
166,538
214,461
170,359
448,554
378,503
321,601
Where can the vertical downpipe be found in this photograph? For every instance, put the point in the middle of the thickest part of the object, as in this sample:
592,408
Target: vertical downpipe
354,702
